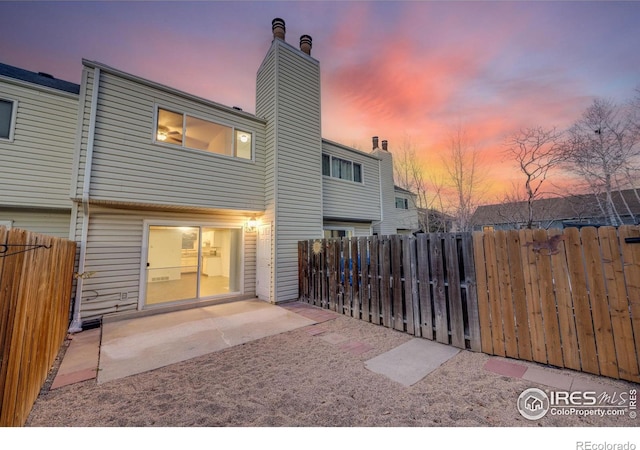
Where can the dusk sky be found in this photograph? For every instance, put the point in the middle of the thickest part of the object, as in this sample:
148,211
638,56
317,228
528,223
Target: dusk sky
404,71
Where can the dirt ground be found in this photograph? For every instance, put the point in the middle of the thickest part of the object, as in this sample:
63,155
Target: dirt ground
298,379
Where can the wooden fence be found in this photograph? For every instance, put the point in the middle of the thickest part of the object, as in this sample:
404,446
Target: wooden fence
422,285
36,274
569,299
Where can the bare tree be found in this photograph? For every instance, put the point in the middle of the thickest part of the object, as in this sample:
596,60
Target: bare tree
536,151
410,174
462,164
602,146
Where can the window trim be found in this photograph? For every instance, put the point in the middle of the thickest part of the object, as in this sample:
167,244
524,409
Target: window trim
331,175
405,202
12,123
184,113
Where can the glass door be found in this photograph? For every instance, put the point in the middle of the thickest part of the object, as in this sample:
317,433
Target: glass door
189,263
172,264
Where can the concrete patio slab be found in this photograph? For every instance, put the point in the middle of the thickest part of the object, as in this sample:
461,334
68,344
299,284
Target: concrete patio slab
548,378
80,362
137,345
412,361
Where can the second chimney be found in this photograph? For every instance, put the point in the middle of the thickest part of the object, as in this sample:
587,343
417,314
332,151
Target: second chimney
277,25
384,146
375,142
305,44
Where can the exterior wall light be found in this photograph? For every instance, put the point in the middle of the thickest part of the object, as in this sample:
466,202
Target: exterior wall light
251,225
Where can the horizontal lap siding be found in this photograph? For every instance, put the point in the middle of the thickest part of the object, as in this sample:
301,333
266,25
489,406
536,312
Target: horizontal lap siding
114,252
349,200
52,223
299,170
127,166
36,166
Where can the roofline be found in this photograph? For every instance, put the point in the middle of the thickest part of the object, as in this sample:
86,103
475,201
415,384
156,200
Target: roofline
350,149
156,85
39,87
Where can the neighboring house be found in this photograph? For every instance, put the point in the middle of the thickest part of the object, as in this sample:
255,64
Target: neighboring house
38,116
559,212
180,201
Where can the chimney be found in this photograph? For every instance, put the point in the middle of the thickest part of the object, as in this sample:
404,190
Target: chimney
384,146
277,25
375,142
305,44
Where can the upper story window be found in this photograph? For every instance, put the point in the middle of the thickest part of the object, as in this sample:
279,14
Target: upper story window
341,168
402,203
200,134
7,118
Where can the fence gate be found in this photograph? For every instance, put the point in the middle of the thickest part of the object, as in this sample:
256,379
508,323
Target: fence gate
422,285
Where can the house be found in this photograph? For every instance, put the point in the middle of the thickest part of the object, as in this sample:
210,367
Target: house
178,201
560,212
38,116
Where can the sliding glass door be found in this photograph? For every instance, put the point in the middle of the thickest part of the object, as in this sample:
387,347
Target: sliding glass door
191,263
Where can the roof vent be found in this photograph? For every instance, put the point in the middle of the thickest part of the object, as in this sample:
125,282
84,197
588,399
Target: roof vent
384,146
237,108
375,142
278,28
46,75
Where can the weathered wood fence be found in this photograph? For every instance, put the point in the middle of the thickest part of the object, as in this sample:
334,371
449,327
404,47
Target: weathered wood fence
422,285
569,299
36,274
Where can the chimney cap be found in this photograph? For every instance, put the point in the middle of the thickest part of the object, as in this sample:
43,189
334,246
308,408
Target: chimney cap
306,43
278,27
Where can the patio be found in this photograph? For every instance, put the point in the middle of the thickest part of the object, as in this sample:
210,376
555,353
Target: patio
326,370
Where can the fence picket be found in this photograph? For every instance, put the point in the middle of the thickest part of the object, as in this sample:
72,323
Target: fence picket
547,298
454,296
439,295
484,308
385,282
618,303
375,279
516,272
426,322
504,285
564,300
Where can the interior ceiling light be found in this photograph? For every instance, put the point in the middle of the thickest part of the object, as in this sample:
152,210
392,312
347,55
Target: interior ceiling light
244,138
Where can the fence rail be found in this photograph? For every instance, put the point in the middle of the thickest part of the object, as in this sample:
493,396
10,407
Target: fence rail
567,298
422,285
36,273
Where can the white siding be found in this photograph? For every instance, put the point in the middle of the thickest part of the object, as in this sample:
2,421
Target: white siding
51,222
114,251
128,166
406,219
36,165
293,112
343,199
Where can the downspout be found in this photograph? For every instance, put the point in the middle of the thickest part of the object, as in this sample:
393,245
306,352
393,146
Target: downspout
76,324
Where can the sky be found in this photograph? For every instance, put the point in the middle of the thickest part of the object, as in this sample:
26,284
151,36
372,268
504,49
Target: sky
409,72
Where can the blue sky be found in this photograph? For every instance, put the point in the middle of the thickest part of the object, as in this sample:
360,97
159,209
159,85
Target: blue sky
406,71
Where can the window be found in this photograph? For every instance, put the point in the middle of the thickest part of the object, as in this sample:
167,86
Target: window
341,168
337,233
7,118
402,203
200,134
